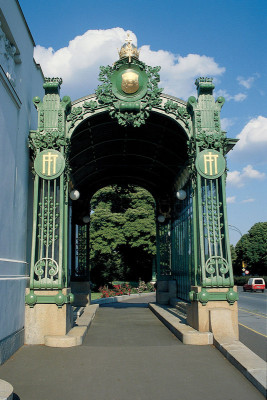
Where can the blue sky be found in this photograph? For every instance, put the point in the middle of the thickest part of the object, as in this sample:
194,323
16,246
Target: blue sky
226,39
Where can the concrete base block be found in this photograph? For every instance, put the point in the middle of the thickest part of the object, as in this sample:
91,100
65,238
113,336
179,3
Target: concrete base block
219,317
165,291
47,320
77,334
172,289
6,390
162,286
162,297
60,341
82,293
183,332
10,344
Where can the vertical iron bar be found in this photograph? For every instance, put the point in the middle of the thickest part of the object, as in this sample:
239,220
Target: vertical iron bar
34,227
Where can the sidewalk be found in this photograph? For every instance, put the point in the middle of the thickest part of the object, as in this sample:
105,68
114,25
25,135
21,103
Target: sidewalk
127,354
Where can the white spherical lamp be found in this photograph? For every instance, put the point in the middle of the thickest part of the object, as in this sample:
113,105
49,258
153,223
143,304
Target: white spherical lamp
86,219
74,194
161,218
181,194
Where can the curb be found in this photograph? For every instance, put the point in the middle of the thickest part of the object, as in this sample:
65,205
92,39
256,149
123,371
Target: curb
118,299
77,334
6,390
183,332
248,363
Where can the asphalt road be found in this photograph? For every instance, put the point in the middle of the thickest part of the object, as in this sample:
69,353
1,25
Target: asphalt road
127,354
252,317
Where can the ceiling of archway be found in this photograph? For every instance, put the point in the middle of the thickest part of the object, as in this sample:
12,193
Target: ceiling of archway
102,153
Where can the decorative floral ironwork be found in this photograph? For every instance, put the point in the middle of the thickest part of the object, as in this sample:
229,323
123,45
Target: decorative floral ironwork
129,112
48,139
46,267
212,141
181,113
48,216
78,113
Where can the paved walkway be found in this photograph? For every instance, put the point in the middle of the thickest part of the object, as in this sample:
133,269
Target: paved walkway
128,354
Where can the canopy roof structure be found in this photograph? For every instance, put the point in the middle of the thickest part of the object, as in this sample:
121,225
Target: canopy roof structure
151,156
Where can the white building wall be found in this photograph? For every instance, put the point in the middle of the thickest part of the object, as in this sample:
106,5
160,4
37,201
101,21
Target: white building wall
20,80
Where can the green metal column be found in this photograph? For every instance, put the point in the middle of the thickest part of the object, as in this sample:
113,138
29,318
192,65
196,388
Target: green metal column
49,257
207,149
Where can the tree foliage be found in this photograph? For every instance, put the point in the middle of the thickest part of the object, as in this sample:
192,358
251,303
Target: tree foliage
122,234
252,249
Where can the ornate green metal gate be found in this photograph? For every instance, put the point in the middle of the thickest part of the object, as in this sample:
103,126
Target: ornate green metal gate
179,146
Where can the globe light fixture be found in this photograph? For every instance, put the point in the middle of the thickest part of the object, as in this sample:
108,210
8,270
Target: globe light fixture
86,219
161,218
181,194
74,194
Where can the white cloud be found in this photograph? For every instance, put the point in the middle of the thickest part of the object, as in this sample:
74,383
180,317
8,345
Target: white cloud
178,73
237,178
78,63
252,145
254,133
237,97
248,201
227,123
247,83
230,199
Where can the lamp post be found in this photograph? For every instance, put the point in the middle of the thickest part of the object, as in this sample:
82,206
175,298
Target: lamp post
234,228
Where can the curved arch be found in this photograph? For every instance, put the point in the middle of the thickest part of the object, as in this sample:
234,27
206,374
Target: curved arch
153,154
81,110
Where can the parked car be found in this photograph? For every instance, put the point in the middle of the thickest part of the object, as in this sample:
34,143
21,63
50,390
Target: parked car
254,284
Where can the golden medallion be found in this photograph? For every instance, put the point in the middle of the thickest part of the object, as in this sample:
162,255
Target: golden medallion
130,82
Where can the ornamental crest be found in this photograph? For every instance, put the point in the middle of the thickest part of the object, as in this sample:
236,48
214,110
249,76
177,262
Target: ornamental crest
130,82
49,164
210,164
129,88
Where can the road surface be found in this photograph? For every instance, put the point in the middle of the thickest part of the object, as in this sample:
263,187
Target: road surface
252,316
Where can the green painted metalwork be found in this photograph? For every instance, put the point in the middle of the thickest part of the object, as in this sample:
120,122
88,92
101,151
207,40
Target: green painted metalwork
192,243
80,253
50,205
59,299
129,89
204,296
207,149
182,235
164,250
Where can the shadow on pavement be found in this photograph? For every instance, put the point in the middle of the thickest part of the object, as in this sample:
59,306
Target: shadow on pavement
125,305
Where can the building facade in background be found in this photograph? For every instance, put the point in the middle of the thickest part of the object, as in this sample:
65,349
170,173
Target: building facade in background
20,80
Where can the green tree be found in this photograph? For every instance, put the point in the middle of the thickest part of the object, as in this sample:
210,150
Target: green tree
233,257
122,234
252,249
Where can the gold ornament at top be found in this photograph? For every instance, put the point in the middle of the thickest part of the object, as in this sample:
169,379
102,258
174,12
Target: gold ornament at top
130,82
129,50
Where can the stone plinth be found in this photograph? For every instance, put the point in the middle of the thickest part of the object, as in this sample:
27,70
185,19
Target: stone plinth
165,291
47,319
218,317
82,293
